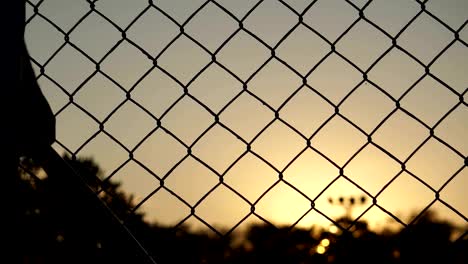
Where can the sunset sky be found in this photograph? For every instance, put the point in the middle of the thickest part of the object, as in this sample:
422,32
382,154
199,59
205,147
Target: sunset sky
218,91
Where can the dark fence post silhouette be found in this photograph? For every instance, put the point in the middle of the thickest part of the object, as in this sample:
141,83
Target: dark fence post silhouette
22,106
29,130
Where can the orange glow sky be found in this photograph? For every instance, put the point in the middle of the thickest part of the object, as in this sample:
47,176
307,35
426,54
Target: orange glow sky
279,145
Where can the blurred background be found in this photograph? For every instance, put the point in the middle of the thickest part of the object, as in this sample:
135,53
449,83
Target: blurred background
225,113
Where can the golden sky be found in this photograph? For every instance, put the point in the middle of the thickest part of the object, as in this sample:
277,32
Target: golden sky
261,139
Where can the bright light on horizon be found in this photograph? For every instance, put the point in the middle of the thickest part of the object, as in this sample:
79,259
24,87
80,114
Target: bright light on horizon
271,98
320,249
325,242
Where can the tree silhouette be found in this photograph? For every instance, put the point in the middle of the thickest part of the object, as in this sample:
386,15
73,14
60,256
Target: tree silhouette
59,230
430,240
63,230
59,224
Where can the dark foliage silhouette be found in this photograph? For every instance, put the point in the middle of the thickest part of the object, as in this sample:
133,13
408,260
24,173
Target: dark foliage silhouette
52,221
70,230
52,235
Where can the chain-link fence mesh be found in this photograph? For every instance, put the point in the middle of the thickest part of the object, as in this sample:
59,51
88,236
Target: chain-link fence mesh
227,88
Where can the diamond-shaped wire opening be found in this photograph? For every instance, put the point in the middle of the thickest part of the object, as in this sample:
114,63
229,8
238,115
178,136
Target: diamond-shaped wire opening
243,64
183,49
191,180
215,88
274,83
425,38
363,45
70,68
310,173
108,152
270,31
126,65
334,78
162,31
429,101
372,169
395,73
399,144
189,113
307,111
165,209
129,125
91,95
444,163
160,152
399,191
157,92
278,152
451,67
95,36
213,208
219,148
367,107
135,180
250,168
74,127
211,26
234,116
282,205
338,140
330,18
387,20
312,49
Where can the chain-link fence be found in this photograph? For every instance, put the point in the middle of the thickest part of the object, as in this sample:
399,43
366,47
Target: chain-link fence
363,98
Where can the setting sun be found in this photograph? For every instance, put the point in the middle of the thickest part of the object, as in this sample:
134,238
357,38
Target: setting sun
217,118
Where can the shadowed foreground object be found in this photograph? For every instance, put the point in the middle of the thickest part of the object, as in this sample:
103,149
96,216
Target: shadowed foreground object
28,131
28,125
76,200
